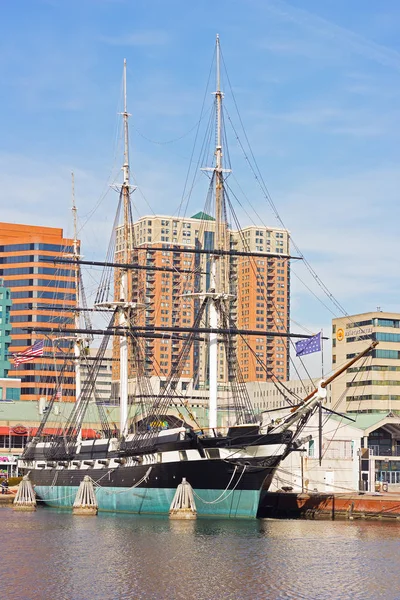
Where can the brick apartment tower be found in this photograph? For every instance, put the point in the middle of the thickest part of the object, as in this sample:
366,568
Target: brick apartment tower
260,288
262,291
37,286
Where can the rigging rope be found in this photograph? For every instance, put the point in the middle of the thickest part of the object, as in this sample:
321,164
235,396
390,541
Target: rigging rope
264,190
222,497
115,492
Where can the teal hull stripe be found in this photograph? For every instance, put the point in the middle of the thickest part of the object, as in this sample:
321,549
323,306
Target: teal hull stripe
239,504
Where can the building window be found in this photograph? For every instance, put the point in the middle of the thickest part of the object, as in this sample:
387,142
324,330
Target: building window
311,448
12,393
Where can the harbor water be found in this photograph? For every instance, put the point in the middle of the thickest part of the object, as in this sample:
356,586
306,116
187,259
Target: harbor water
54,555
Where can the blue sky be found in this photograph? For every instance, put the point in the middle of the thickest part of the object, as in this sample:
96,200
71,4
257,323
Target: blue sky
317,84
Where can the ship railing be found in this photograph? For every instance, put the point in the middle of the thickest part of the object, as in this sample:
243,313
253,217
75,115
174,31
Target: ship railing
212,431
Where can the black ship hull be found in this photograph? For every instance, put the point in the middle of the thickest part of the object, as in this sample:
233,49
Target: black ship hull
226,474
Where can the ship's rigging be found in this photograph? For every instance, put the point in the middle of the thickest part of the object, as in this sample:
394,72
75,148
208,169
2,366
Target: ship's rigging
159,438
213,318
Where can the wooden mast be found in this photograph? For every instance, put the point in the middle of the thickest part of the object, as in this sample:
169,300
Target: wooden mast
123,316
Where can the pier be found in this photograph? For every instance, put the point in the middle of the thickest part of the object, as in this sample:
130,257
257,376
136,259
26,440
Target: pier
7,499
356,505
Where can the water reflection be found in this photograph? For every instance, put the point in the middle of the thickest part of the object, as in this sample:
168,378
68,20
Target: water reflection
182,527
55,555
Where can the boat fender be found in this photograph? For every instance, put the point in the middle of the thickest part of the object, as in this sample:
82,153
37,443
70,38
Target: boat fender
89,463
120,461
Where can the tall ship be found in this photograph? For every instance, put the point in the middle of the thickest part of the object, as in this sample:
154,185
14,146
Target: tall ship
137,464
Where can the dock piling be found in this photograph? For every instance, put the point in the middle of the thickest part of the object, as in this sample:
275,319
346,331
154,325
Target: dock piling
183,505
85,501
25,499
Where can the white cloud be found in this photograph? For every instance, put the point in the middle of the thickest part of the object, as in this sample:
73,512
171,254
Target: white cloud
344,121
298,47
36,192
347,228
336,35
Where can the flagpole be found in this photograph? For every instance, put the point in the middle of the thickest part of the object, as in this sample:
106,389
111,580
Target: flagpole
322,353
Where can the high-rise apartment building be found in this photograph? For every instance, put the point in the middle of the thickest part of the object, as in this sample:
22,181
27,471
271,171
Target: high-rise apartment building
259,289
372,384
5,329
38,287
262,290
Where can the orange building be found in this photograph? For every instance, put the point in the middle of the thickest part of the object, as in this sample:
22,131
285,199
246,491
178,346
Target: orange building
38,288
262,289
259,288
161,299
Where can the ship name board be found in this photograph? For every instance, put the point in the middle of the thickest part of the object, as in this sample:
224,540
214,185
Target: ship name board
359,331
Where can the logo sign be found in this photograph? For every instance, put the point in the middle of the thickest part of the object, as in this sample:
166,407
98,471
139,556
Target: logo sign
357,331
19,430
159,424
340,335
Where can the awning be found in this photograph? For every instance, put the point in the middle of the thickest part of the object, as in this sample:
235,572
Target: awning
87,434
23,431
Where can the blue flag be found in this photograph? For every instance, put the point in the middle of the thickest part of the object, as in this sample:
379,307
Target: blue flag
308,346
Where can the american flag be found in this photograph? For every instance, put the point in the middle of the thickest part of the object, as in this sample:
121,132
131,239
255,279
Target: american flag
30,353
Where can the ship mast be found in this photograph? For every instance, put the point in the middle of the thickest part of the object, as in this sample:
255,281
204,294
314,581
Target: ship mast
218,272
123,314
78,341
219,235
76,256
122,305
126,172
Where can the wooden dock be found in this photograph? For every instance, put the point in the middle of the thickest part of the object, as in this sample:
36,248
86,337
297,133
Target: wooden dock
6,499
357,505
